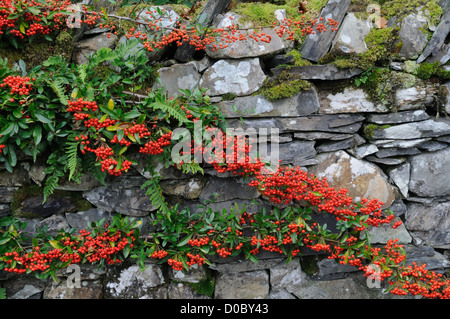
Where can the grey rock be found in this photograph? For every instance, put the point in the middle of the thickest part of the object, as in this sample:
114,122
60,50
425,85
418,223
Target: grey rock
400,176
121,198
304,103
340,123
363,150
183,291
210,10
392,152
350,100
247,48
383,233
242,285
88,290
350,287
195,274
429,225
33,206
83,220
351,34
437,40
412,37
400,143
227,189
17,178
387,160
132,282
312,136
330,269
432,146
430,174
7,194
287,276
319,72
398,117
361,178
339,145
85,48
280,294
407,131
291,153
317,45
54,224
186,188
240,77
178,77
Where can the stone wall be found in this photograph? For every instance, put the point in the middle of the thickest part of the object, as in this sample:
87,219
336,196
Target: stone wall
396,152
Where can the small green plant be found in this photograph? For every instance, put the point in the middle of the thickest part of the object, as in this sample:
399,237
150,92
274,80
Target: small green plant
283,86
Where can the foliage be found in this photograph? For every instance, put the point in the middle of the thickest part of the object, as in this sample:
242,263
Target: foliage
283,86
90,117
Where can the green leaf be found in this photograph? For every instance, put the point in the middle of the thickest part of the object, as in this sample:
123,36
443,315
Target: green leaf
184,241
37,134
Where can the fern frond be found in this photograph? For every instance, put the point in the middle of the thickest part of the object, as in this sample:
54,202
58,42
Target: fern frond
173,110
193,168
50,185
72,157
58,88
156,196
82,71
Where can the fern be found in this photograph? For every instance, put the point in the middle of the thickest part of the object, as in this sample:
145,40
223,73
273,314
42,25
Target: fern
173,110
82,71
72,157
193,168
50,185
156,195
57,87
55,170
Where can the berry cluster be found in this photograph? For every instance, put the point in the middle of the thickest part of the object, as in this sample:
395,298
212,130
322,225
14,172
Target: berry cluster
159,254
104,246
176,265
28,18
18,84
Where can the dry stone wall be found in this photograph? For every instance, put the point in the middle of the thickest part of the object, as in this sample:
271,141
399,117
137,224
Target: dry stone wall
396,152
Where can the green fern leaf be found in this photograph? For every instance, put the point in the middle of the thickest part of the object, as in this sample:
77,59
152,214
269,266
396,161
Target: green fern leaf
72,157
58,88
156,195
173,110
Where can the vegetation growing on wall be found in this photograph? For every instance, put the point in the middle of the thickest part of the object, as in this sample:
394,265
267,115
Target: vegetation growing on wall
80,121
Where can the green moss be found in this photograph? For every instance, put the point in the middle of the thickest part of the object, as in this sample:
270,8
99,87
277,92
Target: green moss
369,129
382,46
402,8
283,86
39,50
309,265
297,58
228,96
427,70
382,85
205,286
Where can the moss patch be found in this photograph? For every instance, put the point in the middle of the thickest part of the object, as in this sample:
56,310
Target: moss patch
369,130
297,58
283,86
205,286
38,51
382,84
